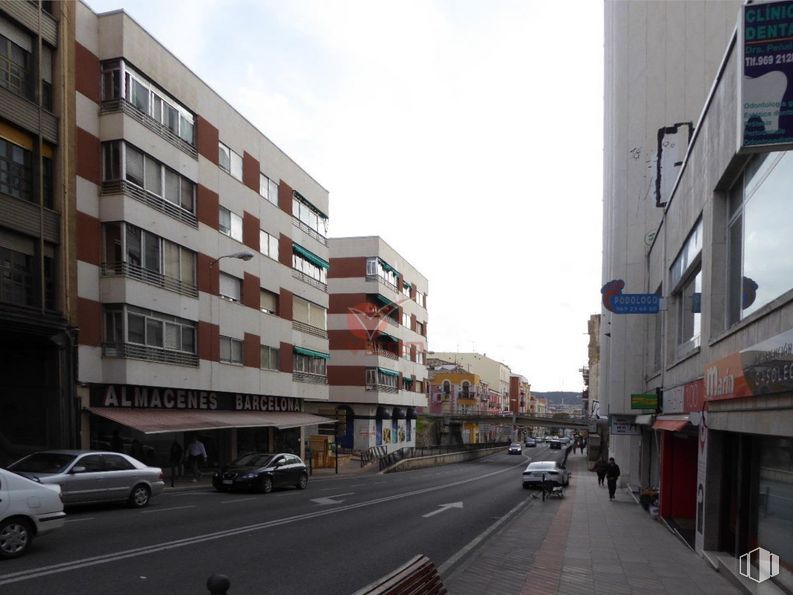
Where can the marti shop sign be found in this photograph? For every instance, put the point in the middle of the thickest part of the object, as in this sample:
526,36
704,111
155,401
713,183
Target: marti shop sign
765,368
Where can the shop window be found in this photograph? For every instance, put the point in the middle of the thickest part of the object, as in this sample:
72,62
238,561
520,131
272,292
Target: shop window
758,235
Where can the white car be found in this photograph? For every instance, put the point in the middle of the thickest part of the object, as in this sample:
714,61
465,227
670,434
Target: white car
553,474
27,509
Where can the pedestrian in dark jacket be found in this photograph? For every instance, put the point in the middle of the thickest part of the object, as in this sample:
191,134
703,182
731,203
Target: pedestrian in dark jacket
612,473
600,469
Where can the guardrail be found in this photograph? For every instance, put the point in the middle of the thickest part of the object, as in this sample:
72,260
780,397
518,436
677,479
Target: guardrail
412,452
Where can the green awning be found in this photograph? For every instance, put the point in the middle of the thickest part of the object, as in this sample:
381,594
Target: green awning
406,284
387,337
311,353
310,256
388,372
384,300
388,267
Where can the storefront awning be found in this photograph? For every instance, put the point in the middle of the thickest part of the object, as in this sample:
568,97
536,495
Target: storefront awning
671,423
644,420
158,421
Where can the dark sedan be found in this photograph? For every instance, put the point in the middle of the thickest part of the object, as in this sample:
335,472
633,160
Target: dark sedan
261,472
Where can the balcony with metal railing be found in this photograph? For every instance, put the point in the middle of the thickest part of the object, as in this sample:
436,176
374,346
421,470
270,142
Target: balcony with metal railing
152,200
310,330
311,232
310,280
148,353
138,273
381,280
385,388
111,106
309,378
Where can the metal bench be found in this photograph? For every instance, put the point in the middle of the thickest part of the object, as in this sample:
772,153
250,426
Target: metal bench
418,576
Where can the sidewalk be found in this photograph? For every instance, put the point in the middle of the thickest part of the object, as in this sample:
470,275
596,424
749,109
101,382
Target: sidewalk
585,544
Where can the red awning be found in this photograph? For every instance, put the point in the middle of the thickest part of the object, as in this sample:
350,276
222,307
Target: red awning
670,425
155,421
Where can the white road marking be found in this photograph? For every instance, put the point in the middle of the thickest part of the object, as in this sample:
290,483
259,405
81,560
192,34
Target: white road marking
330,499
24,575
167,509
88,518
442,508
237,500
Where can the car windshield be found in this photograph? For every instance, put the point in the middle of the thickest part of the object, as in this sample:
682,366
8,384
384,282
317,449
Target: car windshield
540,466
253,459
43,462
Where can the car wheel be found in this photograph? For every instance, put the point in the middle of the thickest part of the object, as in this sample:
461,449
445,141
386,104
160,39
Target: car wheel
302,483
16,535
267,485
139,497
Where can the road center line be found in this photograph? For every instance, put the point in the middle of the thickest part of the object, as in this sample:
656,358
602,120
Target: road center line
167,509
237,500
24,575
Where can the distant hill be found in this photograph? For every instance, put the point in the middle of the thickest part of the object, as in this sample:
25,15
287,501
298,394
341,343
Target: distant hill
560,397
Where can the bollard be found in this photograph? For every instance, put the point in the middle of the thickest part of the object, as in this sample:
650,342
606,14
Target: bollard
218,584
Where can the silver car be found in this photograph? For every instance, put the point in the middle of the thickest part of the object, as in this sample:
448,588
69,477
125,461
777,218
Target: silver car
554,474
88,476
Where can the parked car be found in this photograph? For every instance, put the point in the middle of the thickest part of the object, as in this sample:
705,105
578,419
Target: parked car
27,509
530,442
261,472
554,475
515,449
555,443
89,476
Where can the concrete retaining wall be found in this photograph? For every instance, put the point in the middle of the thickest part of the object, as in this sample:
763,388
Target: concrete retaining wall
445,459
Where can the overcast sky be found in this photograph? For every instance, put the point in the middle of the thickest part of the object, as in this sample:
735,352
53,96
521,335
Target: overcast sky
468,134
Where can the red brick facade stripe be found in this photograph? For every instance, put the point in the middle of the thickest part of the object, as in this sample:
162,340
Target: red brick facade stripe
89,317
344,339
207,139
208,207
347,375
285,198
87,73
250,231
207,274
285,250
285,304
250,171
88,157
354,266
208,341
89,239
251,296
250,350
285,358
340,303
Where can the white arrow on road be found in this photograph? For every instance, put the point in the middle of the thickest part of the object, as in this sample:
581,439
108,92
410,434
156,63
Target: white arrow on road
330,499
442,508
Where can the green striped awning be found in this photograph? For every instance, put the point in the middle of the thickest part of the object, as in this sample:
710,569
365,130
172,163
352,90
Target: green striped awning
406,284
388,372
384,300
388,267
311,353
310,256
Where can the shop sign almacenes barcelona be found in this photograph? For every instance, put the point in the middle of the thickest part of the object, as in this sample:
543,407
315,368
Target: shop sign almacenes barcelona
150,397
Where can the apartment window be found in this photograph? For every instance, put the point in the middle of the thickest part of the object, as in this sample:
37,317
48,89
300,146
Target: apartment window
380,268
420,299
381,377
309,364
420,357
406,289
230,287
268,358
16,277
309,313
405,319
309,215
134,248
309,264
268,244
230,224
447,389
686,280
466,386
268,188
420,329
119,80
128,324
759,235
229,161
268,301
16,170
405,350
230,350
142,170
16,71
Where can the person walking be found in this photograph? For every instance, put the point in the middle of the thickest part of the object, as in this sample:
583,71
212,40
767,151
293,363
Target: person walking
195,452
600,469
177,453
612,473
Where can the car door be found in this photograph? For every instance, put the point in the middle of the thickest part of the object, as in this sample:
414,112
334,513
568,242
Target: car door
83,482
280,471
5,496
295,467
120,476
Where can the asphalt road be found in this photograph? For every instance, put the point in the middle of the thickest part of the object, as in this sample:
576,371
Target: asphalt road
334,537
